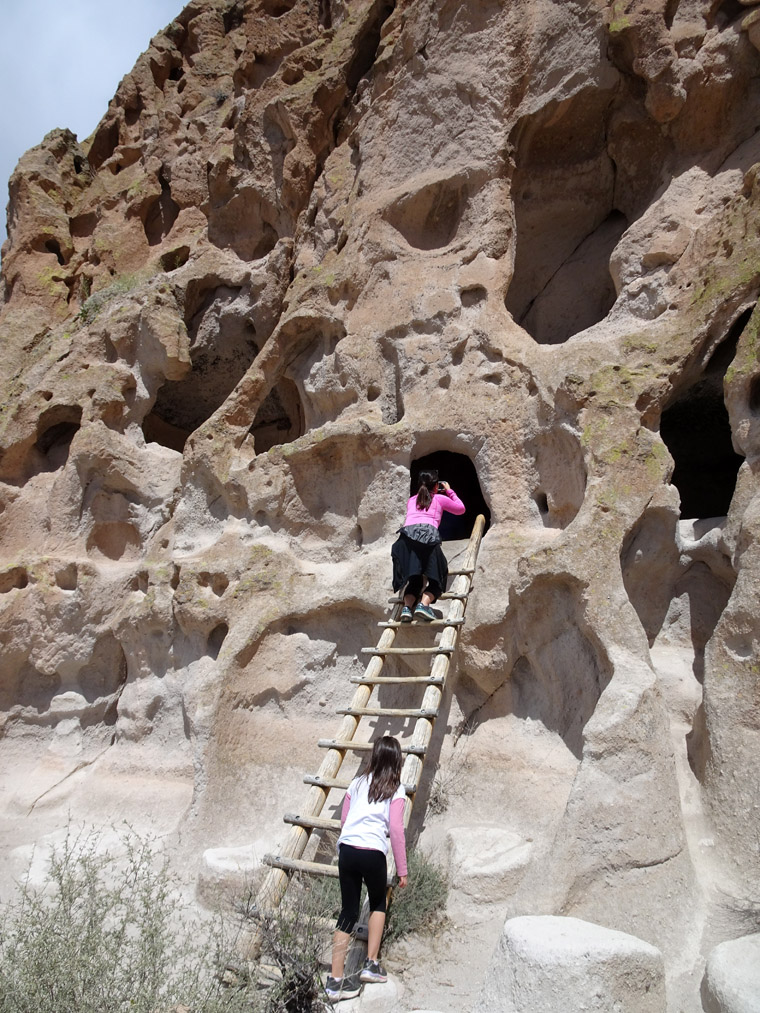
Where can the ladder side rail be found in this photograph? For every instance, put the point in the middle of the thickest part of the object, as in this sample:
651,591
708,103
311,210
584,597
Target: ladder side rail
423,729
276,881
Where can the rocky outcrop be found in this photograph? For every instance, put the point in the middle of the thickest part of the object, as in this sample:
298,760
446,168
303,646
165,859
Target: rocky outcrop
550,963
310,246
732,980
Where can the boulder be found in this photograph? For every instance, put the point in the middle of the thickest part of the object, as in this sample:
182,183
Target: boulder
732,977
548,964
227,874
486,863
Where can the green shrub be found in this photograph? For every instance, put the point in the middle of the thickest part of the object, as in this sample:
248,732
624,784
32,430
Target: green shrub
296,940
420,906
94,303
106,935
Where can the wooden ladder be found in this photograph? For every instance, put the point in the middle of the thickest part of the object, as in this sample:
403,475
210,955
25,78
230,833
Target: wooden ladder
309,818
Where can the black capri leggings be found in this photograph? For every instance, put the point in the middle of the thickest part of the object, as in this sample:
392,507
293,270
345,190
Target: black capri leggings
355,865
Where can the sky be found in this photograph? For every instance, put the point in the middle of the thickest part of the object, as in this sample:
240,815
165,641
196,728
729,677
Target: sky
61,62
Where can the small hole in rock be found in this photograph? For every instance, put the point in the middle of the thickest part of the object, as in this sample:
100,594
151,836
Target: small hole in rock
16,577
473,296
66,577
174,258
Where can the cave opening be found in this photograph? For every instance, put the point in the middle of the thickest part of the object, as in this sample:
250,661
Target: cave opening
56,429
222,347
569,217
160,214
280,418
697,432
459,471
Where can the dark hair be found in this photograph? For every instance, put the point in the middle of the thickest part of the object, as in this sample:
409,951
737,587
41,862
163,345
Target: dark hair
427,489
384,769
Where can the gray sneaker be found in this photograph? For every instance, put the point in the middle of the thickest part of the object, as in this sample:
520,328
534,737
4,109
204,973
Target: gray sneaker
373,971
425,613
347,987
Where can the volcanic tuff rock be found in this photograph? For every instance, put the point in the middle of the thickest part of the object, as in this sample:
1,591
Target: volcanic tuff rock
310,245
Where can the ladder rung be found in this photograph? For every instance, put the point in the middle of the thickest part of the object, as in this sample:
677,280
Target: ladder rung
326,782
314,822
332,782
364,747
299,865
394,624
382,651
317,869
396,680
447,595
461,573
387,712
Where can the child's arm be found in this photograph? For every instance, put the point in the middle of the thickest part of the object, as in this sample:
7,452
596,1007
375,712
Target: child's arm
451,502
396,834
346,807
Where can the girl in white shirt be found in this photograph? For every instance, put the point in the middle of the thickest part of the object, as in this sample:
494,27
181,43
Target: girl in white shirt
373,811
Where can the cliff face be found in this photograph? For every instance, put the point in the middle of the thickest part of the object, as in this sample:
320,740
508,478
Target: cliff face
309,245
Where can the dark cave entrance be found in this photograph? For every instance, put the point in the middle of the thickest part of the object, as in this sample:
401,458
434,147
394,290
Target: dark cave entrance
459,471
696,431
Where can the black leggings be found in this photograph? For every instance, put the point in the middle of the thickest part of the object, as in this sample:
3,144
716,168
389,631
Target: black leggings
414,586
355,865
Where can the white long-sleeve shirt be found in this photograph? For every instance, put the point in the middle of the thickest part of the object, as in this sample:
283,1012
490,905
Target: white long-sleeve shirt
368,824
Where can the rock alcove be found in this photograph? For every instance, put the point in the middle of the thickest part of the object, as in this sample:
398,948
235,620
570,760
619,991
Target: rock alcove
697,432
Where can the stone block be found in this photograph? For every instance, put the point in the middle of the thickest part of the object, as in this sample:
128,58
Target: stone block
486,863
731,983
548,964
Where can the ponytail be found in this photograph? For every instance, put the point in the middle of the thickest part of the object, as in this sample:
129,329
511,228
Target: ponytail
428,485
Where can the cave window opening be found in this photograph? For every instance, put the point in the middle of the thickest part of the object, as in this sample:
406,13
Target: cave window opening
728,11
697,432
554,300
57,431
459,471
174,259
54,247
216,639
158,430
571,210
754,396
280,418
161,214
233,18
222,347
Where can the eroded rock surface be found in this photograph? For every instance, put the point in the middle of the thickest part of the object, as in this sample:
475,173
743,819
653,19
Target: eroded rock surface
309,246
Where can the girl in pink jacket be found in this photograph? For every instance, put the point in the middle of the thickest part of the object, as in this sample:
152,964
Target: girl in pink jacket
419,565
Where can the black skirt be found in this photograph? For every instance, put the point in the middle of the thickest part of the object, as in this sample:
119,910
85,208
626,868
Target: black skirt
412,558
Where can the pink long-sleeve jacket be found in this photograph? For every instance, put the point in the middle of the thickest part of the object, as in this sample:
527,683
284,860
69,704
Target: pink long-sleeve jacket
448,501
